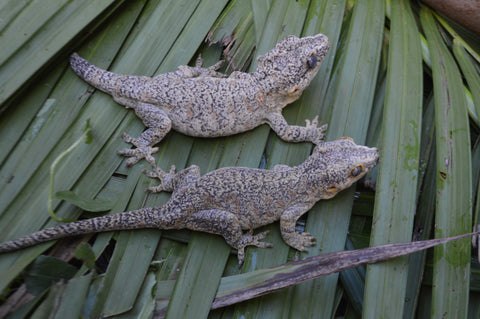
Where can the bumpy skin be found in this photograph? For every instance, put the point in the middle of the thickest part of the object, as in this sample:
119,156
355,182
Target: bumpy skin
234,201
201,102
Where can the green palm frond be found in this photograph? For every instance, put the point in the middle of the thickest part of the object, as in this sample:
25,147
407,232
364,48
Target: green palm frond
372,86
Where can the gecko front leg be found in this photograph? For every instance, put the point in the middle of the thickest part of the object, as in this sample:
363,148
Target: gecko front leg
294,133
288,219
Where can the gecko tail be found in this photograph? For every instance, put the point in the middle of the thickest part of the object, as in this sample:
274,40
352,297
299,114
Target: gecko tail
142,218
101,79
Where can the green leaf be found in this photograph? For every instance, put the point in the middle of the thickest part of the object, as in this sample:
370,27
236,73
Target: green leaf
92,205
37,25
44,107
453,214
45,270
70,298
24,173
85,253
235,32
85,136
238,288
234,289
395,203
348,101
470,72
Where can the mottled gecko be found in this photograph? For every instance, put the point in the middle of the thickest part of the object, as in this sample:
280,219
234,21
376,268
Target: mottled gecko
234,201
202,102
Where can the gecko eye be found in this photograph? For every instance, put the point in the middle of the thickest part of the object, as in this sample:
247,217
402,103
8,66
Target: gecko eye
312,61
354,172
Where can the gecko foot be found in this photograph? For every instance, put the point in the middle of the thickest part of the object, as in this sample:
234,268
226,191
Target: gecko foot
302,240
316,133
164,178
250,240
215,67
138,153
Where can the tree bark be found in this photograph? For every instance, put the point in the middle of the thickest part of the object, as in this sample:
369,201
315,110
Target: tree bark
464,12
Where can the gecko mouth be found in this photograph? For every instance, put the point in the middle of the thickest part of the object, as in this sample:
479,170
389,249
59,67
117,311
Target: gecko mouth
376,156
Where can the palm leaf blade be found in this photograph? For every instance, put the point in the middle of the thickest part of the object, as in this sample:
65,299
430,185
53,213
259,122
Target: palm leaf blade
400,145
453,206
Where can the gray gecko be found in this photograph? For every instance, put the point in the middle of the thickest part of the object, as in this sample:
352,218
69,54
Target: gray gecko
234,201
202,102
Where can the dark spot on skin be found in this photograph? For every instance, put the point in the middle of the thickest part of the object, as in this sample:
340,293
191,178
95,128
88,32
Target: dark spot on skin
443,175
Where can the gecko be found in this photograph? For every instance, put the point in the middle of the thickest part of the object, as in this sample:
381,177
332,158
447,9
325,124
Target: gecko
233,201
202,102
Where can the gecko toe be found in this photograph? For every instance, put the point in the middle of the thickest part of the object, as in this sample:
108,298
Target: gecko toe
308,240
139,153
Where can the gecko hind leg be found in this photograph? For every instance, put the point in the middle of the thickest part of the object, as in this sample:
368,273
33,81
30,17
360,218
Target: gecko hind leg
226,224
158,125
186,71
249,239
172,181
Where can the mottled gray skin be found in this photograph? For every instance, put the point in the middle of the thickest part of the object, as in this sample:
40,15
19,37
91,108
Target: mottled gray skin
201,102
234,201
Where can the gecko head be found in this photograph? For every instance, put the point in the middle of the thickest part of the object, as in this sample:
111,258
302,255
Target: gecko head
292,64
338,164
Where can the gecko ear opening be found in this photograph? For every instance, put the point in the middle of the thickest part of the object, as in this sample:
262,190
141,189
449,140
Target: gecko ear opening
332,190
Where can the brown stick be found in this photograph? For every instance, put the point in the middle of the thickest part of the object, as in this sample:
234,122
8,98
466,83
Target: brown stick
464,12
269,280
294,273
